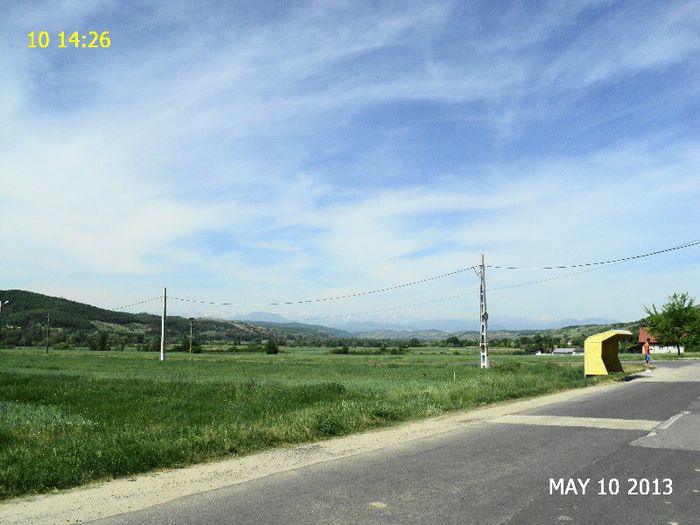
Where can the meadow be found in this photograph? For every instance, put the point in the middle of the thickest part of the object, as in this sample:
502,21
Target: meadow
74,416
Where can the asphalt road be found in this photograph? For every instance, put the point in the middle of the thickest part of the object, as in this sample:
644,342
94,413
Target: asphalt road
512,469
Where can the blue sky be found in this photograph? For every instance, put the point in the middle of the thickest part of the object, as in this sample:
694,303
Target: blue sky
252,152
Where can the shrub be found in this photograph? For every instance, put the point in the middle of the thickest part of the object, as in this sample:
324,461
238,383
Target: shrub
452,341
100,342
271,347
253,346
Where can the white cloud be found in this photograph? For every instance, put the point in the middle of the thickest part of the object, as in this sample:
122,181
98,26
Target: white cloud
229,134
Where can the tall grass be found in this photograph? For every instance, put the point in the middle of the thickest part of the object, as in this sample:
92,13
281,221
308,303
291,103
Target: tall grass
73,417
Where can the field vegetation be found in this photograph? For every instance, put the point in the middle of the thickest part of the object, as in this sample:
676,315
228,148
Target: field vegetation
75,416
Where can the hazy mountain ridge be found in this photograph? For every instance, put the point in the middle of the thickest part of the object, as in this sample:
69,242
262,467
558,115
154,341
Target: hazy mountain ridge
447,326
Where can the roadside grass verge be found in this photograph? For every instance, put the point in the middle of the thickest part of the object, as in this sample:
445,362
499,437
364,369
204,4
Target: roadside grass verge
71,417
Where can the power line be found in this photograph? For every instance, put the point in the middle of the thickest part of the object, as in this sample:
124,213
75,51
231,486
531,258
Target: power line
597,263
539,281
140,302
217,303
459,296
333,298
590,265
391,308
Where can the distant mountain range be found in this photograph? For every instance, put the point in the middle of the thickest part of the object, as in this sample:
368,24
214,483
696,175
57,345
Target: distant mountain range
442,325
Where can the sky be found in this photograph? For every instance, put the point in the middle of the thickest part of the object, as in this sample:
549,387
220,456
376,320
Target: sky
258,152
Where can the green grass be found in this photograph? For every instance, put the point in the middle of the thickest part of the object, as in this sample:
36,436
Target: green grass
75,416
668,357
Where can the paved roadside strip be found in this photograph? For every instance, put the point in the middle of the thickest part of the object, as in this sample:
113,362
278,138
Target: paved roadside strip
114,497
589,422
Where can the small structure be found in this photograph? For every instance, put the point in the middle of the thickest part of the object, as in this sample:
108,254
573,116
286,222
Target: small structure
601,352
655,347
567,351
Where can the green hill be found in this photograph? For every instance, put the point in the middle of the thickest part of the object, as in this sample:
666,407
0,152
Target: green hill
74,323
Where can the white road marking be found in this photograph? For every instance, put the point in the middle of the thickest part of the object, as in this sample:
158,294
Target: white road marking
569,421
670,421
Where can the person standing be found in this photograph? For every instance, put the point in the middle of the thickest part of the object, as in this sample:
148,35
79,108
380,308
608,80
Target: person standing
647,355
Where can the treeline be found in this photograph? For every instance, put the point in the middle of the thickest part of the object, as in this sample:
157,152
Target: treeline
527,343
146,337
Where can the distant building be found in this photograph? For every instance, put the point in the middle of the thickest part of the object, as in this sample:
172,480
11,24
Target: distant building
655,347
567,351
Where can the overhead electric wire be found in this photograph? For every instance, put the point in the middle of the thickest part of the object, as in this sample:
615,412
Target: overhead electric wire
591,265
538,281
597,263
458,296
216,303
140,302
333,298
423,303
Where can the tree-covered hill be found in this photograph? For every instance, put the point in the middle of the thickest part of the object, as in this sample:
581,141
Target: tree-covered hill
74,324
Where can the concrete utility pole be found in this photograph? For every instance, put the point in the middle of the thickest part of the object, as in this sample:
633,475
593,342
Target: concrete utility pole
48,322
1,303
162,325
191,319
483,316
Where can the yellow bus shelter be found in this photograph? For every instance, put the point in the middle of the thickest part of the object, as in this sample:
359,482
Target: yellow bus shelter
600,352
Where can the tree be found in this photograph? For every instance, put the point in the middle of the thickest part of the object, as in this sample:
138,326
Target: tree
677,323
184,345
100,342
271,347
452,341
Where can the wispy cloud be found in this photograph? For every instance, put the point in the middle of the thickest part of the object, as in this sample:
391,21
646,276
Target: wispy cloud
319,148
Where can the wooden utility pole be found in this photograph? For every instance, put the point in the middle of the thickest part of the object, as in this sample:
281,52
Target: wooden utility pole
162,325
191,319
483,316
48,322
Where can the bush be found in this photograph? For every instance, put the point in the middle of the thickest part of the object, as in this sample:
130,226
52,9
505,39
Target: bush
185,345
100,342
340,350
452,341
253,346
271,347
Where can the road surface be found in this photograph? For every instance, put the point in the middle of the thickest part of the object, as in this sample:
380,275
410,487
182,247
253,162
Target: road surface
574,462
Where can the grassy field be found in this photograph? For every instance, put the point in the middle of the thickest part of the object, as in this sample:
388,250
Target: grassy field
74,416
